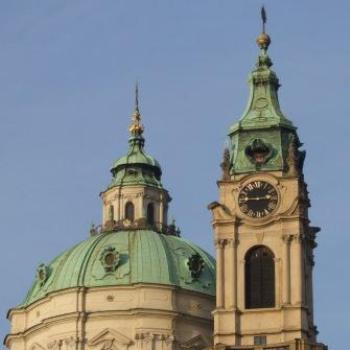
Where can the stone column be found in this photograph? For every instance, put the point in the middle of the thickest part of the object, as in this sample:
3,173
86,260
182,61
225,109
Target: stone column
297,269
286,269
220,273
161,212
232,243
81,320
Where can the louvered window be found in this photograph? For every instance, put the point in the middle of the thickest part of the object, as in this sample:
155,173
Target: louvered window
259,278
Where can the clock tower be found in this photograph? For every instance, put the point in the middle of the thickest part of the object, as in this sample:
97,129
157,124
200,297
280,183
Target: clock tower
263,236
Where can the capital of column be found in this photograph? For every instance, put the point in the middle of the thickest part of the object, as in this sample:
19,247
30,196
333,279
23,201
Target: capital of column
233,242
299,238
220,243
287,238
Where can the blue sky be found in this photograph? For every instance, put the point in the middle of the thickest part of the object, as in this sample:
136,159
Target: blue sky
67,74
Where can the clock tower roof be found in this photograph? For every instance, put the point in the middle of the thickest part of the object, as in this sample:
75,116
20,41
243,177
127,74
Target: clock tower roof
264,137
263,108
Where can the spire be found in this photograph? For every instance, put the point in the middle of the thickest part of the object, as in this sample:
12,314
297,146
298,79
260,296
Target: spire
263,108
260,137
136,128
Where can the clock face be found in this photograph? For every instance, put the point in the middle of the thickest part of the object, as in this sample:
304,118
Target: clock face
258,199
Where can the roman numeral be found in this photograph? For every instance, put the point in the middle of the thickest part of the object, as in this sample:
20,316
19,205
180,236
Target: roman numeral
244,208
257,184
250,213
250,187
271,205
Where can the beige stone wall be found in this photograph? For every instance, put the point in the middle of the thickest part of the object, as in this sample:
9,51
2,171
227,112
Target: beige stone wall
153,317
140,196
285,232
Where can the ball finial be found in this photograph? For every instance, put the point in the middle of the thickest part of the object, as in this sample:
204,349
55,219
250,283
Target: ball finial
263,41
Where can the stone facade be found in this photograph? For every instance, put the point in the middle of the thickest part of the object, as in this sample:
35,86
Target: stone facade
116,198
131,317
287,234
262,229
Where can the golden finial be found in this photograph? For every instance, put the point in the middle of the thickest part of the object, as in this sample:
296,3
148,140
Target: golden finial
263,40
136,128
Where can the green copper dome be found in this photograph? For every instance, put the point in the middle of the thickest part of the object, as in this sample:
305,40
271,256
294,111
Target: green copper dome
137,167
136,155
126,258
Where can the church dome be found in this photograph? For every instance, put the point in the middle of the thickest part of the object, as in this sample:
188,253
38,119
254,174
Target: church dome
127,257
138,157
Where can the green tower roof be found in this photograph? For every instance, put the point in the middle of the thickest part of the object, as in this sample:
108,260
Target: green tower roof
264,138
127,258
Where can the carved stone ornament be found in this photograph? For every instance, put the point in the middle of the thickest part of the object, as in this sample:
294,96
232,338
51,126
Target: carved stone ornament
154,340
36,346
68,343
225,165
295,158
258,151
195,264
196,343
94,230
110,259
140,224
42,274
292,158
110,339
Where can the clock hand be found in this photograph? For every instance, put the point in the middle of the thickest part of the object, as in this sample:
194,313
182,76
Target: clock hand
258,198
246,199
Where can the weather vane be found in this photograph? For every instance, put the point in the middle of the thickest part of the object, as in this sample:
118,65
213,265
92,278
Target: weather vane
263,18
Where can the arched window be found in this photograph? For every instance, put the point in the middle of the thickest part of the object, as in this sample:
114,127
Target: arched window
150,213
111,213
259,278
129,211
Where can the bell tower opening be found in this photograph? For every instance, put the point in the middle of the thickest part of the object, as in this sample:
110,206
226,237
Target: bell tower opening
259,278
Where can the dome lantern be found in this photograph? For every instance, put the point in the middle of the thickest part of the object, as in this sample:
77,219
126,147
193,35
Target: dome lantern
135,198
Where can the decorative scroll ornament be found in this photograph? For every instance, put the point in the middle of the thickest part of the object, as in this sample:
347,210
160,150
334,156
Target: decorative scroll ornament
42,274
258,152
110,259
195,264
